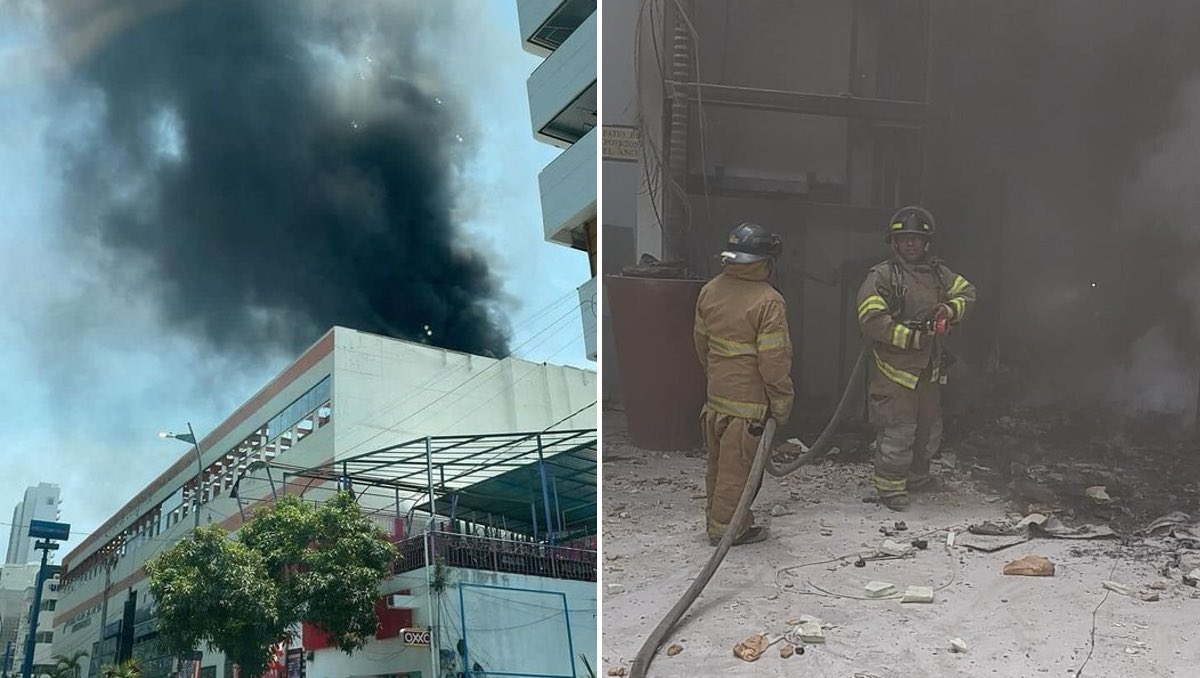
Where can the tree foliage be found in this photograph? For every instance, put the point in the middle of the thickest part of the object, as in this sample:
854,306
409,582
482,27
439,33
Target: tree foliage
293,562
130,668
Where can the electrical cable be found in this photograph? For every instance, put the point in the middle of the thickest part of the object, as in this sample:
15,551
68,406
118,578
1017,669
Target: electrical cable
1092,649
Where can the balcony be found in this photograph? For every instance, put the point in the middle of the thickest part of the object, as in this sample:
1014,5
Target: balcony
546,24
568,186
496,555
562,91
587,307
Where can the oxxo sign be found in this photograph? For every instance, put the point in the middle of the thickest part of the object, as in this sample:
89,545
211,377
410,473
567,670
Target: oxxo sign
415,636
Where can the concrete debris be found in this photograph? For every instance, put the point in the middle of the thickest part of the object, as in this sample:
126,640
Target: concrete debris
618,671
787,651
918,594
614,589
1032,519
810,631
958,645
1098,494
895,549
900,526
1117,588
780,510
921,544
751,648
991,529
1159,585
1150,596
1192,578
1030,566
860,562
1054,528
950,538
880,589
675,649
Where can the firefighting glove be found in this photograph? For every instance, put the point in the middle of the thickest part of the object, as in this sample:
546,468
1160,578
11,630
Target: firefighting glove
942,315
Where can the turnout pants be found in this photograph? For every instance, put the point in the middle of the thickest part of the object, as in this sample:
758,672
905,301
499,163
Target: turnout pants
908,426
731,449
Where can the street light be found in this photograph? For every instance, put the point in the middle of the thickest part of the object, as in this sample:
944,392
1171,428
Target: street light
190,437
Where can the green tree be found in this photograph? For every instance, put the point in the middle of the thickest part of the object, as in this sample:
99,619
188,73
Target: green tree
293,562
130,668
68,666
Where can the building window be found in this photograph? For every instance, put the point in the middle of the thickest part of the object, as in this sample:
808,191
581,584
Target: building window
45,637
49,605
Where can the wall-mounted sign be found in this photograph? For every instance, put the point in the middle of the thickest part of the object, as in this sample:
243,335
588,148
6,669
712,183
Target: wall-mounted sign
621,142
415,636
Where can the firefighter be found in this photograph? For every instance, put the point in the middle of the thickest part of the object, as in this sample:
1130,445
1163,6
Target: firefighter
905,307
742,340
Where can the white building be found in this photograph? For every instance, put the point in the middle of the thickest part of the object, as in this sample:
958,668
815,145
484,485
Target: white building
562,107
44,643
15,583
41,503
349,394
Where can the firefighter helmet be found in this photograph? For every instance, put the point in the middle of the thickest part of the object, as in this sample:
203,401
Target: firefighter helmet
911,219
749,243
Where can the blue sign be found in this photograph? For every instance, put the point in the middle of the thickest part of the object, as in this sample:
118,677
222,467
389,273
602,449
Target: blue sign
46,529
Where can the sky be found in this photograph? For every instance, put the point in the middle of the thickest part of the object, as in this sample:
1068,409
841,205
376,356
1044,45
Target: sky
115,211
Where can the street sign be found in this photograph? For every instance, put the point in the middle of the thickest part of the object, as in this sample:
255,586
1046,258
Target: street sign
46,529
416,636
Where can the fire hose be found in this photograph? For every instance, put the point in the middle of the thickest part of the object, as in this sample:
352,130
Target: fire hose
762,462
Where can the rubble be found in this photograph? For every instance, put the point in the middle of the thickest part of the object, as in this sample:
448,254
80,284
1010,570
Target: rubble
1192,578
787,650
809,629
880,589
1150,596
1098,494
894,549
618,671
1030,566
1117,588
918,594
675,649
779,510
1159,585
1032,519
958,645
751,648
614,589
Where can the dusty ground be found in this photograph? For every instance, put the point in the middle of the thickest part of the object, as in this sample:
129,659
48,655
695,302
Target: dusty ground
1013,626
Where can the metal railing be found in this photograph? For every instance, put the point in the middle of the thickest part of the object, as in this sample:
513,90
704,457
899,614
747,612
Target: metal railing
496,555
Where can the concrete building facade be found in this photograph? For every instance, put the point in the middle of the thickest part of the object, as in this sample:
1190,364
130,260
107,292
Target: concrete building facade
41,502
562,107
350,393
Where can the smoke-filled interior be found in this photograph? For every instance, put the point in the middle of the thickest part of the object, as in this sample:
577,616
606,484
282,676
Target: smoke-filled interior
1072,134
268,168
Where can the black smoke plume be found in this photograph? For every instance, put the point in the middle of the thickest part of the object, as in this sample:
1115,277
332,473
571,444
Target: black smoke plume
268,168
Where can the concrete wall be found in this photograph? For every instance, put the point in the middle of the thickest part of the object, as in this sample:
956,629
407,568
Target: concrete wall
517,627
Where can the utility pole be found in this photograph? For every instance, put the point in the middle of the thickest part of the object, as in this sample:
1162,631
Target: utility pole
45,546
48,534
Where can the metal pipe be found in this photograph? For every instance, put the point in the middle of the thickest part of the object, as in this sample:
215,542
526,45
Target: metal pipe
545,491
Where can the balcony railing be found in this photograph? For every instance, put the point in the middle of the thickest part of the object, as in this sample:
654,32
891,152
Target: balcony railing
496,555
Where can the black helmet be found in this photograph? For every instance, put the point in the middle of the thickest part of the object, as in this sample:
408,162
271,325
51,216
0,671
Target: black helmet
911,220
749,243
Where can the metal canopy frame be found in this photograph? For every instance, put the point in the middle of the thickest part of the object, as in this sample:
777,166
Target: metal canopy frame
537,483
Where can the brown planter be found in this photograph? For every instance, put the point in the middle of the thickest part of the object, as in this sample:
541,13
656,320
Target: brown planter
662,385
